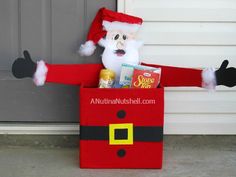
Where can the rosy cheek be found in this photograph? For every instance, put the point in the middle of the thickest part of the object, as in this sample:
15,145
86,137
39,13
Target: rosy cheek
109,37
132,36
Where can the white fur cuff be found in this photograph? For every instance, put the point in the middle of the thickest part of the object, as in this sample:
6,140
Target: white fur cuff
102,42
40,74
123,26
209,78
87,49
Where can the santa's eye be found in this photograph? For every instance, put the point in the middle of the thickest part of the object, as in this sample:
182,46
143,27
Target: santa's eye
124,37
117,37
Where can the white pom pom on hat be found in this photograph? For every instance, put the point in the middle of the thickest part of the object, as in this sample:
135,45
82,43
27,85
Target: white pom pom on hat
104,21
87,48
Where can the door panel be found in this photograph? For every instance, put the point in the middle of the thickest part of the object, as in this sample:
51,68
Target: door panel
51,30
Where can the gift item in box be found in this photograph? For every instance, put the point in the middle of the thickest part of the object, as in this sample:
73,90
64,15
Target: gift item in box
126,75
127,71
146,78
121,128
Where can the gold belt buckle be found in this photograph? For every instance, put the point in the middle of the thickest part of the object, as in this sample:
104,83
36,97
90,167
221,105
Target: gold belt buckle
126,126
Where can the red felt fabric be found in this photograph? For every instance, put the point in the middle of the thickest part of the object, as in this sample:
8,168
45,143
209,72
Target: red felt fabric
96,31
179,77
97,103
112,16
98,153
88,75
74,74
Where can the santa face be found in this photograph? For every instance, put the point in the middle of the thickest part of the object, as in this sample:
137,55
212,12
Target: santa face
120,47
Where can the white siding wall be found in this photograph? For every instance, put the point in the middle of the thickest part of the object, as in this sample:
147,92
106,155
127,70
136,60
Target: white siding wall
190,33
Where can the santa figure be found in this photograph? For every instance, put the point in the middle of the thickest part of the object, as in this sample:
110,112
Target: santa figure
121,135
116,32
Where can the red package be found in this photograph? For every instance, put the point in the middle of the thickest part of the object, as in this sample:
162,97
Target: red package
121,128
145,79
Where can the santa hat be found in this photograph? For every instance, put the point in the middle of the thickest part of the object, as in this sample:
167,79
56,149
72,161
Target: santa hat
104,21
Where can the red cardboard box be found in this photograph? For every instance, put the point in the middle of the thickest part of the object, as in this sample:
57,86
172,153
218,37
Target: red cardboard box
121,128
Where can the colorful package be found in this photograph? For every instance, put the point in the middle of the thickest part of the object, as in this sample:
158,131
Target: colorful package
145,78
127,72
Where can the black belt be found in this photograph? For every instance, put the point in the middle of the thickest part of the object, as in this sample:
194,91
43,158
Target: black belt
140,133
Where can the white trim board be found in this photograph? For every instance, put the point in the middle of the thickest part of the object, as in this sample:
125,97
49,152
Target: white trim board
170,128
39,129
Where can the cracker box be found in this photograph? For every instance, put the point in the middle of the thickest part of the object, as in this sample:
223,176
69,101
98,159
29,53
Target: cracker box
121,128
145,78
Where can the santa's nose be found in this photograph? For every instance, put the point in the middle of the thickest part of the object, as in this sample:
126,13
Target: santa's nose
120,45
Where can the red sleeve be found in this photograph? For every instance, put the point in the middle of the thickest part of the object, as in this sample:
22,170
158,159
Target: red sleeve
179,77
74,74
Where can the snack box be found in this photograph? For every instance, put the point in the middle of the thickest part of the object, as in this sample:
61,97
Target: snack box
127,71
146,78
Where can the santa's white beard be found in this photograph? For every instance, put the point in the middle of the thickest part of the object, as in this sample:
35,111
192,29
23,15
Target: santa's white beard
113,62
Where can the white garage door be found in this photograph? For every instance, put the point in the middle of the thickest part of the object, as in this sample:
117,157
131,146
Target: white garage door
190,33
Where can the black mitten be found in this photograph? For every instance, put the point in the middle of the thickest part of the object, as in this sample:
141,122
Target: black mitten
226,76
24,67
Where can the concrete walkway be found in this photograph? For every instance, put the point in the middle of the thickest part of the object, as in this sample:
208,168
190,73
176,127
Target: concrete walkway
185,156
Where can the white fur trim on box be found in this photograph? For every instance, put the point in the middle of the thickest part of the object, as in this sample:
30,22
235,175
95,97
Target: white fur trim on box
209,78
87,48
116,25
40,74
